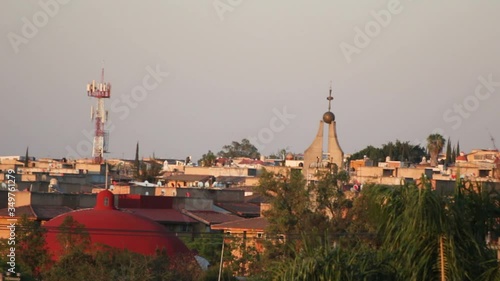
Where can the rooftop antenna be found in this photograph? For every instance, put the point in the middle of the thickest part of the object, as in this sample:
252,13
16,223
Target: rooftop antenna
100,91
492,141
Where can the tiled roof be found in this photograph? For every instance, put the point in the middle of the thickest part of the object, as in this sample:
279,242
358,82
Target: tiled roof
23,210
253,224
256,199
241,209
49,212
211,217
162,215
40,212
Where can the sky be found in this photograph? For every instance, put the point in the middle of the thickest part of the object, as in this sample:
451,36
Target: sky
192,76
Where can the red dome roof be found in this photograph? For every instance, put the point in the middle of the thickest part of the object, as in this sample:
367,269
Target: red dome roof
107,225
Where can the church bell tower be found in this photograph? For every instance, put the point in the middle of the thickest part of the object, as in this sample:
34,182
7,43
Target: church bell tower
314,159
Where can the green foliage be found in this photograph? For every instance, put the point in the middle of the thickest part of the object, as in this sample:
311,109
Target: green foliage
330,200
288,198
207,159
212,274
27,157
31,254
398,151
108,263
419,226
137,163
239,149
73,236
417,234
208,245
81,261
33,257
149,172
279,154
449,155
435,144
329,262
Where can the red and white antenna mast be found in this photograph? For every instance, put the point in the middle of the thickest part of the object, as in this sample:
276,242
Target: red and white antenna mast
100,91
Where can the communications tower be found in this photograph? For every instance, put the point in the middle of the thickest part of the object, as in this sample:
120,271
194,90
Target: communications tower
100,91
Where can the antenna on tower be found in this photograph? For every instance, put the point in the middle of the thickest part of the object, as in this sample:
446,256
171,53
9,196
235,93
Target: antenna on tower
100,91
492,141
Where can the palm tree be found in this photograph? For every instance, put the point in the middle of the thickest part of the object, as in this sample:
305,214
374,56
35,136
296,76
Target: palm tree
435,237
435,144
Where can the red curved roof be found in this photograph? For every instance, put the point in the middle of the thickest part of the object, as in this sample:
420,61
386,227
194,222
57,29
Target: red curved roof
109,226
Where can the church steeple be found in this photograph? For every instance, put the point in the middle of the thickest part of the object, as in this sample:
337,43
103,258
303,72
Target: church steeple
314,153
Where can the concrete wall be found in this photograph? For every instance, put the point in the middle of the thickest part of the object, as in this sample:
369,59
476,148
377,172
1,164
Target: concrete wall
199,204
96,168
369,172
217,171
217,195
167,190
414,173
73,201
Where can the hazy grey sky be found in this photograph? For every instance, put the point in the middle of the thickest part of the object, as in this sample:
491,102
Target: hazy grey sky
233,64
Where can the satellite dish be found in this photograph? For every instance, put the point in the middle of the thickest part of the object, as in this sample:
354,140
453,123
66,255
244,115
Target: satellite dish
200,184
207,184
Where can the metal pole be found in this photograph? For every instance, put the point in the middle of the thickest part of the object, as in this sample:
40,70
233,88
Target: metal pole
221,258
106,175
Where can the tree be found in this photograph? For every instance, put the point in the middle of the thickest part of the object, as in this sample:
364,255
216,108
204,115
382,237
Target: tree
422,234
73,236
289,214
137,163
427,231
449,154
27,157
330,199
279,154
289,200
207,159
454,154
237,149
32,254
149,171
398,151
373,153
435,144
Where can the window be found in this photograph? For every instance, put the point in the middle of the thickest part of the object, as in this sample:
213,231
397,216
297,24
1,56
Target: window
260,235
484,173
106,201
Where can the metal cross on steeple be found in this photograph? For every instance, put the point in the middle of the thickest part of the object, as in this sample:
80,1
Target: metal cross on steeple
330,98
